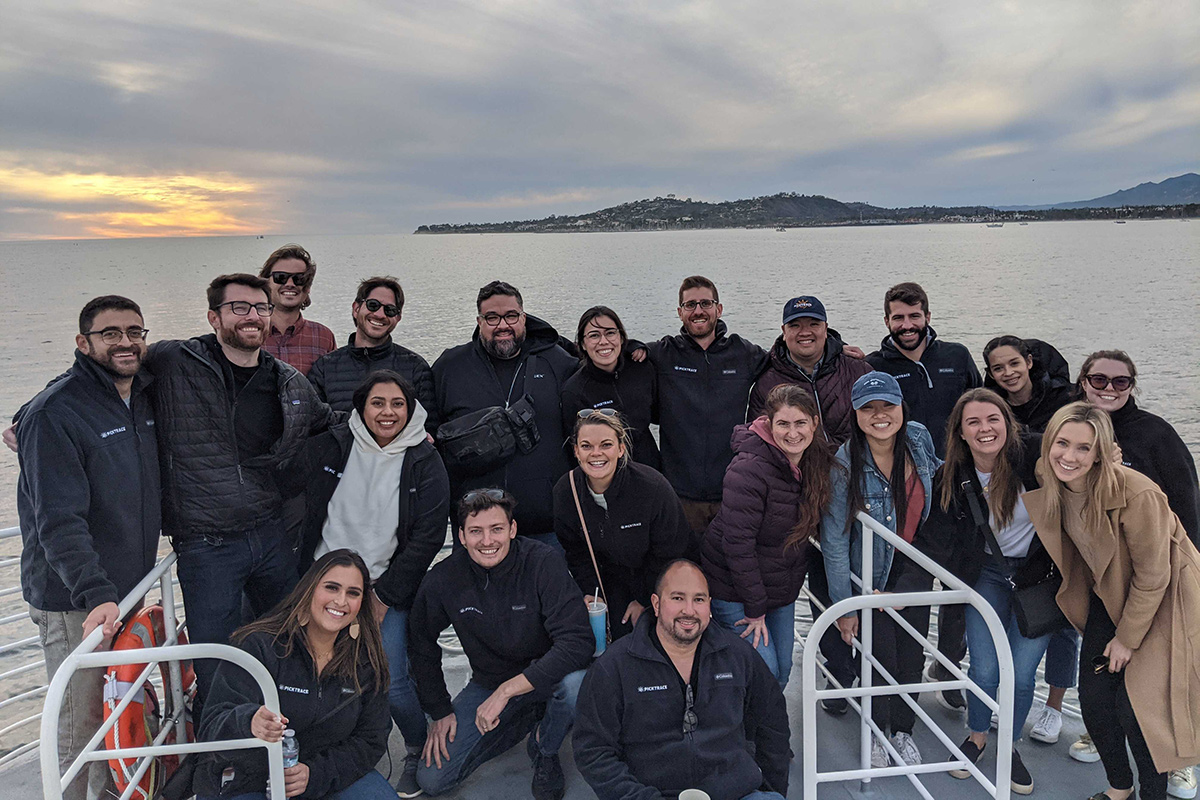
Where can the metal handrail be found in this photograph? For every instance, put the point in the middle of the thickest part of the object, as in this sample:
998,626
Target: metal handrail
955,592
85,656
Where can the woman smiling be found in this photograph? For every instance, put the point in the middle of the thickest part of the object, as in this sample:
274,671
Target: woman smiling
1022,377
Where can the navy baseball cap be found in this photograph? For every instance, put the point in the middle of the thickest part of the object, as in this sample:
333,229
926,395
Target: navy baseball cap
803,307
875,386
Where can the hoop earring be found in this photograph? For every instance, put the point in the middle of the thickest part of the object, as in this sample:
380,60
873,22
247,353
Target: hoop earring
353,630
304,619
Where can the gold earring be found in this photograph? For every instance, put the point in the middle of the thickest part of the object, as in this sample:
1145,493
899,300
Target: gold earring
304,619
354,629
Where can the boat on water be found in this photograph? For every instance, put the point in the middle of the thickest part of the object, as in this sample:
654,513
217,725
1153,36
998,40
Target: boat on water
1120,221
781,229
1022,223
997,224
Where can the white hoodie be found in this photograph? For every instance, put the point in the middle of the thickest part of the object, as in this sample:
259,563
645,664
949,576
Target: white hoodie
364,511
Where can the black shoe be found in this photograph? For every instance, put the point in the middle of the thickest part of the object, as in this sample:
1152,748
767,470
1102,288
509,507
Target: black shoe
835,705
1022,782
973,753
407,787
548,780
951,700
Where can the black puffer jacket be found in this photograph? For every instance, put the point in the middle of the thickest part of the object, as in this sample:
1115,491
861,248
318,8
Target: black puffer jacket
424,502
642,529
342,734
702,396
743,552
1052,386
336,375
207,486
464,381
1151,446
632,389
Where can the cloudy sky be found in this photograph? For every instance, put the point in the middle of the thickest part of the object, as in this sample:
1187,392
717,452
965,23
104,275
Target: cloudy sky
142,117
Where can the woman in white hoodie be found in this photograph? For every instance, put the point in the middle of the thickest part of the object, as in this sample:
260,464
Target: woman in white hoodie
376,485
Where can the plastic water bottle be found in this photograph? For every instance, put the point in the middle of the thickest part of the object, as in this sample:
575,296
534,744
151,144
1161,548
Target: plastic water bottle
291,749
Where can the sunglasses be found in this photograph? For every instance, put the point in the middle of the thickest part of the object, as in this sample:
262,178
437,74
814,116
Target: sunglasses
1099,381
374,305
608,413
491,494
690,720
1099,664
298,279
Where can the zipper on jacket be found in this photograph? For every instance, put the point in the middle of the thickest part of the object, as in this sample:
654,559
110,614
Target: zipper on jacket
928,377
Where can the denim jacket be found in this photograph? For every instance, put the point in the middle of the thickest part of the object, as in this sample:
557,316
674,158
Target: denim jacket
842,548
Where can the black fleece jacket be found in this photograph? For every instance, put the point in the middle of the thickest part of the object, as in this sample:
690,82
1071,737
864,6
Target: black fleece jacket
342,734
932,385
523,616
1151,446
465,380
424,502
336,375
629,740
640,532
88,494
702,396
632,389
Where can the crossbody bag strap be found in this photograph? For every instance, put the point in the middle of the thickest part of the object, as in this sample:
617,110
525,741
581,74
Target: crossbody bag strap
591,552
972,488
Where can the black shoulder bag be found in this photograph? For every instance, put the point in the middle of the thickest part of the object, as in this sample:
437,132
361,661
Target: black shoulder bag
1035,604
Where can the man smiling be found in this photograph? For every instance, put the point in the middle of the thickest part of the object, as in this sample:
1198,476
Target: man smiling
291,337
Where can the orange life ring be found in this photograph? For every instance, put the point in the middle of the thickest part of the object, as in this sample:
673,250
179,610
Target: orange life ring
143,718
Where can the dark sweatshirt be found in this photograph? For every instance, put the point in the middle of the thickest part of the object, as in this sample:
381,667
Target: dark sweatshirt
523,616
1151,446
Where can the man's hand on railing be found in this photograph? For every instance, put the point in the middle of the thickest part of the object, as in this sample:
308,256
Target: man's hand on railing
106,615
295,780
848,625
757,626
894,608
268,726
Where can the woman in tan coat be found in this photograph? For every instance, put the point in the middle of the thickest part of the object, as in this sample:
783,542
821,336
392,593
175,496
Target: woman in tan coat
1131,584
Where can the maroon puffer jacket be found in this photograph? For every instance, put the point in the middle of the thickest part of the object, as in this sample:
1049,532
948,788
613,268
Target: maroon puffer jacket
743,551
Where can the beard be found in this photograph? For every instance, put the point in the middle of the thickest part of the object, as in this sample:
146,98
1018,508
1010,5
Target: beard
503,348
243,336
923,333
682,637
105,362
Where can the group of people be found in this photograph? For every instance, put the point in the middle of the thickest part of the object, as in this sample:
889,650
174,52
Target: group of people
306,489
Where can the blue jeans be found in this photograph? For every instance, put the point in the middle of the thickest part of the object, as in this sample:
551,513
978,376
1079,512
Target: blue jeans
214,572
402,694
763,796
470,748
371,786
1062,658
781,627
985,667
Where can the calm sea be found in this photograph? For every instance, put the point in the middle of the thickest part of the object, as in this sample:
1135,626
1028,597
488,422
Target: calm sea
1080,285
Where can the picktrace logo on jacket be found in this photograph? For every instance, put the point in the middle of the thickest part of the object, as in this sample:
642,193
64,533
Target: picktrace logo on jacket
662,687
472,609
113,432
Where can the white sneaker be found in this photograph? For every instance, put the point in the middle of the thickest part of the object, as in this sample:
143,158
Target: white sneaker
1182,783
995,721
1084,750
1047,727
907,748
879,756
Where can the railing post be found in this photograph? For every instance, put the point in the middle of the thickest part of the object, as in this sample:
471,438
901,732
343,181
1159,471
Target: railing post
174,673
865,624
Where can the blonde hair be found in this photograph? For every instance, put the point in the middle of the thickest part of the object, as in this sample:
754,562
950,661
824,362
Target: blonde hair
1101,478
615,422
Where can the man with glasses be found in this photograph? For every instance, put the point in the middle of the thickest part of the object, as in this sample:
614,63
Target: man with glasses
377,309
676,671
291,337
88,501
512,355
524,628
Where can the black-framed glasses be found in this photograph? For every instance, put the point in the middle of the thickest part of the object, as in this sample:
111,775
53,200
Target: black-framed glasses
493,319
690,720
298,279
692,305
1098,380
594,337
113,335
497,495
608,413
389,309
241,308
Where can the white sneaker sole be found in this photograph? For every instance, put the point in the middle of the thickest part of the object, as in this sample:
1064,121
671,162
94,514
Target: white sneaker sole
1088,757
1038,736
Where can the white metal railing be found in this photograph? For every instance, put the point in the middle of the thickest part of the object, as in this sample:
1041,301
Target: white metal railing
85,656
954,591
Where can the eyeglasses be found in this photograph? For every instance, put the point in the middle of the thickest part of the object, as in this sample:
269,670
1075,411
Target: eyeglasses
299,279
594,337
491,494
113,335
241,308
389,309
690,721
692,305
511,318
1099,381
608,413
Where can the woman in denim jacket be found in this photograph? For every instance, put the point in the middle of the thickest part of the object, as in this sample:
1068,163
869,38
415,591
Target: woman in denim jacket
886,470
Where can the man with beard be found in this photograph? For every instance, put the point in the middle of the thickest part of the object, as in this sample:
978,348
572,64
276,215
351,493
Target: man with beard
511,355
292,338
377,309
88,501
682,704
704,378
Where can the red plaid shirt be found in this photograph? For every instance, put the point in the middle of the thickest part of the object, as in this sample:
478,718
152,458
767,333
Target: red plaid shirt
301,344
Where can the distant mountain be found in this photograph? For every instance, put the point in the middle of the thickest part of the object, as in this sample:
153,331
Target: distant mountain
1180,190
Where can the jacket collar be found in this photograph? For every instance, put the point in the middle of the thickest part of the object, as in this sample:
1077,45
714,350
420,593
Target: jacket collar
720,340
602,376
515,554
641,646
620,478
781,360
206,347
539,335
891,350
373,353
86,367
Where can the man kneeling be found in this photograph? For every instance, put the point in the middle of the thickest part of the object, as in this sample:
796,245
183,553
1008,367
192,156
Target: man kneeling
681,704
524,628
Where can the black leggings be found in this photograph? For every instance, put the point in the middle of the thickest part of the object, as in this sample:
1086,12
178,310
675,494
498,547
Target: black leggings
1108,715
903,657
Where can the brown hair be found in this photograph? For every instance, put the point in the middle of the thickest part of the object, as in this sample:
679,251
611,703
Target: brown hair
286,623
216,289
909,293
1004,487
297,252
109,302
815,463
616,422
1113,355
698,282
380,281
1101,478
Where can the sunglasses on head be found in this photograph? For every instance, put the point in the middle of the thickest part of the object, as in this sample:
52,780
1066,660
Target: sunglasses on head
609,413
491,494
298,279
374,305
1099,381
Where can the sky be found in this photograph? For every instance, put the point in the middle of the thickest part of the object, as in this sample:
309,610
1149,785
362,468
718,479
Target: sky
145,118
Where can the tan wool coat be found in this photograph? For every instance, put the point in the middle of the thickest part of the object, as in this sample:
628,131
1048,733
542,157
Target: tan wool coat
1150,585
